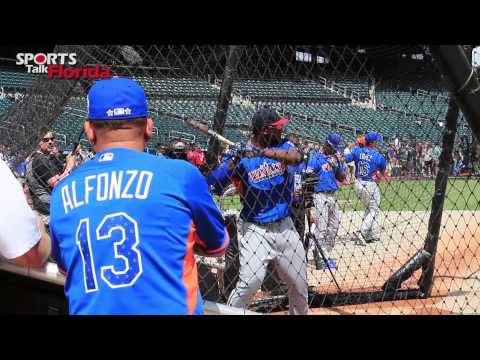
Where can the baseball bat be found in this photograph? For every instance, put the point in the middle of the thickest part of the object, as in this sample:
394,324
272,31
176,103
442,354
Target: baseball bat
205,129
322,254
75,144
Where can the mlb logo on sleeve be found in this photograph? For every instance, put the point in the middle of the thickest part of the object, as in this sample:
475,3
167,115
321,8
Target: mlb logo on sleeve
106,157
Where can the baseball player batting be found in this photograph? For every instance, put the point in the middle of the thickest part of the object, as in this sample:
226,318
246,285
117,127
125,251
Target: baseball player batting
368,163
125,225
266,230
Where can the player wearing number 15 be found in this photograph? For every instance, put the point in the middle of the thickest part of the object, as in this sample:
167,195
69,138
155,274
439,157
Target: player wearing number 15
125,225
370,166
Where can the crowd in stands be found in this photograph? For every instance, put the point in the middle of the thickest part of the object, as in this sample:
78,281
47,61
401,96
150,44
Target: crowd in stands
404,159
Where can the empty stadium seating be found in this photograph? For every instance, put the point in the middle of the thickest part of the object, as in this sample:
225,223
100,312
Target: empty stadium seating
315,110
286,89
182,87
17,79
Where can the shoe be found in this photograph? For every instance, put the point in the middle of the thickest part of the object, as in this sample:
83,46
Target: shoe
332,264
359,239
371,238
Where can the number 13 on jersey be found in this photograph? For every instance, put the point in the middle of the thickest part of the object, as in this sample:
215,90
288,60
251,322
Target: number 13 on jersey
125,249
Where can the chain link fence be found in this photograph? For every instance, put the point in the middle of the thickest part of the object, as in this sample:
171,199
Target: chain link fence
301,233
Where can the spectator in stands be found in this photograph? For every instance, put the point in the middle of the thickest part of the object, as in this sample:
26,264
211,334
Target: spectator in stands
411,159
437,150
428,160
476,157
457,163
392,161
195,156
396,143
23,239
403,159
45,168
160,149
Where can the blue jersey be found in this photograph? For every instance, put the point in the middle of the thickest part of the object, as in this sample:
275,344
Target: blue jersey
265,186
124,227
321,165
367,162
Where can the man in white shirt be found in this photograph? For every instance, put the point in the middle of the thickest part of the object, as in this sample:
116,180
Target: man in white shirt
23,239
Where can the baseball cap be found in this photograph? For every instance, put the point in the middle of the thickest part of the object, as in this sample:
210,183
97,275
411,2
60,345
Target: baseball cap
116,99
372,136
267,117
334,141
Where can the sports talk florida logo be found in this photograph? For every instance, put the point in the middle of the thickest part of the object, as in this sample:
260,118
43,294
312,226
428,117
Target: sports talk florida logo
53,64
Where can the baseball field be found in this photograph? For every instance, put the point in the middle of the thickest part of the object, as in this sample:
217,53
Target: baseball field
401,195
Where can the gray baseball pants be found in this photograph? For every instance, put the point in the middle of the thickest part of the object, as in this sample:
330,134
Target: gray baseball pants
369,194
277,242
326,214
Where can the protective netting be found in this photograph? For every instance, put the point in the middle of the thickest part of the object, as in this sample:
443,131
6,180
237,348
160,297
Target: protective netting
355,238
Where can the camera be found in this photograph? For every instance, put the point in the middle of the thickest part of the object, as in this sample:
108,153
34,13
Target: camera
308,189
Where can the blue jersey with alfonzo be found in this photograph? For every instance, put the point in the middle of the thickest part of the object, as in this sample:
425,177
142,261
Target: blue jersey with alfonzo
124,227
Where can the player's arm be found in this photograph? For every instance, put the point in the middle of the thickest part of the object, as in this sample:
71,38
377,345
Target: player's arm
289,156
38,254
381,167
210,234
23,239
350,156
221,177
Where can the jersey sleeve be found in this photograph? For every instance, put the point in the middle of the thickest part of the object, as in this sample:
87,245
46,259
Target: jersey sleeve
211,233
349,157
313,164
18,227
222,176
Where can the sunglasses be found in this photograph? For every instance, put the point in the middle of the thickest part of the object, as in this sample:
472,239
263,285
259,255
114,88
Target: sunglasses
48,139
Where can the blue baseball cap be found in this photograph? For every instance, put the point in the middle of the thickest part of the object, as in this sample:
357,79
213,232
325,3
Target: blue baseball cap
116,99
334,141
372,136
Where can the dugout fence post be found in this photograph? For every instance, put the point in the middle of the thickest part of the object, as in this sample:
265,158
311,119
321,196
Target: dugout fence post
445,162
220,117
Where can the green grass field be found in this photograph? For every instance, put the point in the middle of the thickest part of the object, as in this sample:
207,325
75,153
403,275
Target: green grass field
402,195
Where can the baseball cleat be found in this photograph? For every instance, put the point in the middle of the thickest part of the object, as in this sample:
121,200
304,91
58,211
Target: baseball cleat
332,264
359,239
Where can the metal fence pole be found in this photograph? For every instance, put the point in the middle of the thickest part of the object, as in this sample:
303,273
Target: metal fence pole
445,162
234,54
